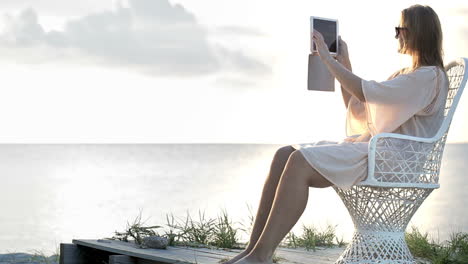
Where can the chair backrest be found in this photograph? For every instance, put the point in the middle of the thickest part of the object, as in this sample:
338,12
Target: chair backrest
402,163
457,75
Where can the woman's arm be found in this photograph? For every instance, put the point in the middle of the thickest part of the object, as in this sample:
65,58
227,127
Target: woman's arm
349,81
344,92
343,57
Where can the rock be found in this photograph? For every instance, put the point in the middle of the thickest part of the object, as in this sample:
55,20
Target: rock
155,242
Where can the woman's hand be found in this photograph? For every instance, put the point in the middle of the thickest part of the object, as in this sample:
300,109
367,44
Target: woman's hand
365,137
343,54
322,48
349,80
350,139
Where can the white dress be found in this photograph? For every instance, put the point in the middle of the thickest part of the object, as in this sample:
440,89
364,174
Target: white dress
410,104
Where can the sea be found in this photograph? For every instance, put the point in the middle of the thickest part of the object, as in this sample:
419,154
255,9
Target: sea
54,193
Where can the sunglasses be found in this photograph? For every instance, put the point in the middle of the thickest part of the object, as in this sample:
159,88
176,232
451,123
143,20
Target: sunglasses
398,30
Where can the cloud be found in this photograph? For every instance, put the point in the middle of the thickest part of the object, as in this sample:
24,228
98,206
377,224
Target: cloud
239,31
151,36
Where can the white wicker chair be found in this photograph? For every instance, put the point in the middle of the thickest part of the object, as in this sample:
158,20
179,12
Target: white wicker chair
402,171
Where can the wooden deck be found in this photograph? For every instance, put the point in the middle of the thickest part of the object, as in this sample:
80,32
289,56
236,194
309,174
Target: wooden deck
113,251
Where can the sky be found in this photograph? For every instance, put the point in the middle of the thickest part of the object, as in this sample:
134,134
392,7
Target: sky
159,71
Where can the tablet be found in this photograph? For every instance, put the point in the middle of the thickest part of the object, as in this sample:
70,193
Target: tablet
329,29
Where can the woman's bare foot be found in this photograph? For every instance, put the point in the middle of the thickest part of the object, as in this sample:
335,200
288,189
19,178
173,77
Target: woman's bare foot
237,257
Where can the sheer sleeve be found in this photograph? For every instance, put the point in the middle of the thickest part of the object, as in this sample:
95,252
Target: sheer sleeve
356,122
390,103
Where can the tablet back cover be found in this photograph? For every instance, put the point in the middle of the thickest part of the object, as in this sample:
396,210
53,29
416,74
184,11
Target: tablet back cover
319,77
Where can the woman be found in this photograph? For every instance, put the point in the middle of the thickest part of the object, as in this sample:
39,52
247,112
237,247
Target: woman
410,102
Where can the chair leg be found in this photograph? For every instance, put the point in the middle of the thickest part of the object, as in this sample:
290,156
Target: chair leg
380,216
377,247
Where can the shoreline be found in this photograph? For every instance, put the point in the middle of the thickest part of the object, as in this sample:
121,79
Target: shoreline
28,258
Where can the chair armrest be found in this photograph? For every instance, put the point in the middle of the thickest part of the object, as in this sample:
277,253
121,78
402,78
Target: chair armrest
396,160
377,137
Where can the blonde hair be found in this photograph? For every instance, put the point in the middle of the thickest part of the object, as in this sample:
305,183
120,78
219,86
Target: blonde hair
424,37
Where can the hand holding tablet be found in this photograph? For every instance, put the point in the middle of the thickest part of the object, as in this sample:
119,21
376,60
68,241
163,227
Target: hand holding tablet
329,30
321,47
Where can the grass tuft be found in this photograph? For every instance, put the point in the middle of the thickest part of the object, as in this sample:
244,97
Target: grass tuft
137,231
452,251
224,234
312,237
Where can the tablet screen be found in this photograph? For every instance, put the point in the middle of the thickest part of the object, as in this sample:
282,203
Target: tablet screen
329,31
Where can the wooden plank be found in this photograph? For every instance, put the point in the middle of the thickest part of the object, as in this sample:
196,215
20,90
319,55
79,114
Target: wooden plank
181,254
327,252
71,254
169,255
320,256
77,254
145,261
121,259
329,255
218,253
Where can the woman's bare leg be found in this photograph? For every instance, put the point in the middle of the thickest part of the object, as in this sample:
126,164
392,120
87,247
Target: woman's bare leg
288,205
266,201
